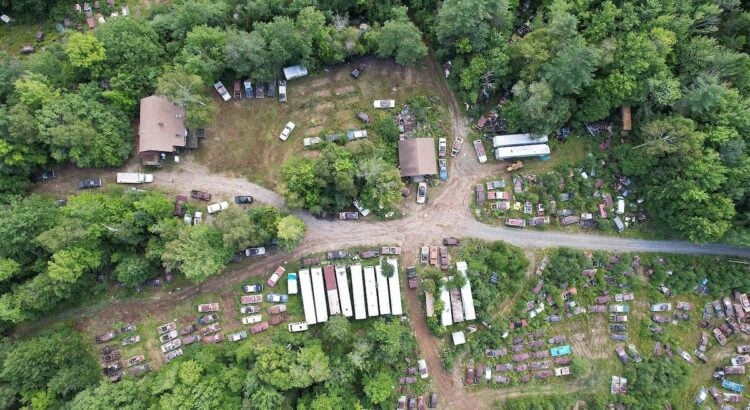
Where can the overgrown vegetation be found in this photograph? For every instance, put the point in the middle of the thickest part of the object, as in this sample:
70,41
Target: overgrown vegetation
682,66
54,254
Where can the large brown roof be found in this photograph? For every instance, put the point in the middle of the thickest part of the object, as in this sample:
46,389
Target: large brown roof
162,125
416,157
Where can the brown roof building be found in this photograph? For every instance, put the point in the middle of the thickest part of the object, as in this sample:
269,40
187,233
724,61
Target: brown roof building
161,128
416,157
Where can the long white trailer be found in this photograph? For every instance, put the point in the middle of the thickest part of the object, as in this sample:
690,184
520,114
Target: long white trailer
371,290
446,316
358,292
384,300
343,284
332,292
308,303
522,151
134,178
466,296
511,140
395,289
319,291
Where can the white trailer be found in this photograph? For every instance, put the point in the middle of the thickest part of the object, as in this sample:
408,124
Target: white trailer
395,289
332,292
134,178
319,291
523,151
383,300
343,284
446,316
512,140
371,290
358,292
308,303
466,296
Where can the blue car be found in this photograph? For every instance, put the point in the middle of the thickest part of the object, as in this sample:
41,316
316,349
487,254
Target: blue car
443,170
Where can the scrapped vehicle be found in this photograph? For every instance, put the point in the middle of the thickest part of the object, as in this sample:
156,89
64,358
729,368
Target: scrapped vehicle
171,345
90,183
444,258
250,320
112,368
407,380
276,298
111,356
131,340
188,329
130,327
276,319
105,337
661,307
217,338
171,355
348,216
310,261
297,327
243,199
422,193
139,370
43,176
424,255
276,309
204,320
257,251
287,131
337,255
188,340
411,275
443,169
390,250
236,337
251,299
619,337
168,336
495,352
252,288
451,242
200,195
246,310
374,253
210,329
217,207
275,276
135,360
260,327
434,255
208,307
515,166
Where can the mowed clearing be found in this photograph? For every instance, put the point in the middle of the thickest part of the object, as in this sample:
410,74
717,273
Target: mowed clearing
244,139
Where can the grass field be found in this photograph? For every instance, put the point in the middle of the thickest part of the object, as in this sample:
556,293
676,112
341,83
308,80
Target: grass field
320,104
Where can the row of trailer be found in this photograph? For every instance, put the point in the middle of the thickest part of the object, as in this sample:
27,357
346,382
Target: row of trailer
326,292
458,304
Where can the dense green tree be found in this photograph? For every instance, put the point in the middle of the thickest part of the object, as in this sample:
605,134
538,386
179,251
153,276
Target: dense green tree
198,252
285,44
247,54
291,229
84,51
378,387
203,53
173,21
187,90
382,188
338,329
134,269
401,39
471,22
85,132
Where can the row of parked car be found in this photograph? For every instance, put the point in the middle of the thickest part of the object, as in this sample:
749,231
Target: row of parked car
112,366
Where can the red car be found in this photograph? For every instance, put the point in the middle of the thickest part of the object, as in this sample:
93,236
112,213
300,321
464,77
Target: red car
179,204
203,196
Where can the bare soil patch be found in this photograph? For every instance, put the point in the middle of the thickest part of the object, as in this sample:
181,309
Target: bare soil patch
345,90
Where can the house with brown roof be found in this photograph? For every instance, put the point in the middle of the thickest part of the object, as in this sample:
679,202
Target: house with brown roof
417,158
161,129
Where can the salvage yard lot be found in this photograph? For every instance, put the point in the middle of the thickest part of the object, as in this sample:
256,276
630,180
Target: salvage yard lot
244,139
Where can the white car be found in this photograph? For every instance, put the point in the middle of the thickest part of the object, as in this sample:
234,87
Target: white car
297,327
422,193
249,320
214,208
287,131
423,369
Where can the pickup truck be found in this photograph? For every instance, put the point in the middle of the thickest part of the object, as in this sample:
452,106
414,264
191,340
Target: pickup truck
174,344
168,336
90,183
337,255
276,298
219,206
200,195
442,147
348,216
217,338
374,253
105,337
260,327
236,337
276,319
246,310
204,320
166,328
134,178
275,276
276,309
243,199
411,274
515,166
